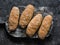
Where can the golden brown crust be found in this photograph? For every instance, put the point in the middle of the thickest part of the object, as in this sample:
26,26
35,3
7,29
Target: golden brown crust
34,25
13,19
26,16
45,26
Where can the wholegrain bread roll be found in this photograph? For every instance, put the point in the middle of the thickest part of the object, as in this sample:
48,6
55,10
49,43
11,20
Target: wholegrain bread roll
34,25
13,18
26,16
44,29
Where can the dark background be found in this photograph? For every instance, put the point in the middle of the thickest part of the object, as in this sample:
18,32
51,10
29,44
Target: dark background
5,7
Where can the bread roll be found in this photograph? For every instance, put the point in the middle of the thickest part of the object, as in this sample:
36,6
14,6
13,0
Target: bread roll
13,18
34,25
26,16
44,29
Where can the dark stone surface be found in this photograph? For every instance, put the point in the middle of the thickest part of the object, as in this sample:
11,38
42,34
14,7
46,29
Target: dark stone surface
5,7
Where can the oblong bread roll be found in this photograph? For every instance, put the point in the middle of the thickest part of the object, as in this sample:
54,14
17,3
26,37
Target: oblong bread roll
44,29
26,16
13,18
34,25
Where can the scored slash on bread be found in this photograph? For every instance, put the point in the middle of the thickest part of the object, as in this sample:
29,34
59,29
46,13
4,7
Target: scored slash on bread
26,16
13,18
34,25
45,26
